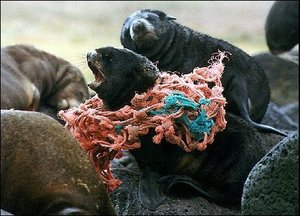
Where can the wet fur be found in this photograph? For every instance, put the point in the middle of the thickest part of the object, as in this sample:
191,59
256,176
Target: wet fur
218,173
178,48
32,78
44,171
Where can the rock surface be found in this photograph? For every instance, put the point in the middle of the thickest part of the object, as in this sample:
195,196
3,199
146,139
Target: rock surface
283,77
125,198
282,117
272,186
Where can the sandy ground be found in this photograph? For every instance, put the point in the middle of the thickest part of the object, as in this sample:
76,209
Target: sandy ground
72,28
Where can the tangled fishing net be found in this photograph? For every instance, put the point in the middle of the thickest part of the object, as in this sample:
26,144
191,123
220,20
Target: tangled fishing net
184,110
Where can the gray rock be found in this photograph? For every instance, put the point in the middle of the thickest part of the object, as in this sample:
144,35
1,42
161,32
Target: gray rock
283,76
292,110
125,199
282,117
272,186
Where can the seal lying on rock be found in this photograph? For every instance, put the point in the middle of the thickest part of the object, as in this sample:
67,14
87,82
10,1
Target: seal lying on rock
44,171
157,36
218,172
32,78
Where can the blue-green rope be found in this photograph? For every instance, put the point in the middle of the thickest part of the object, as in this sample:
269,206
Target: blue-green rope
173,103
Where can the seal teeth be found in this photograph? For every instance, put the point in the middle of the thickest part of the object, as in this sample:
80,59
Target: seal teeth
99,76
93,85
96,69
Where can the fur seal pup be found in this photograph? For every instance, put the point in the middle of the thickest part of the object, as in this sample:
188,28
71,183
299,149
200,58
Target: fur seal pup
218,173
32,78
44,171
175,47
119,74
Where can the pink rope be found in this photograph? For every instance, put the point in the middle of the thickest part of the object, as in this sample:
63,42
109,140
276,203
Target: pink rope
95,127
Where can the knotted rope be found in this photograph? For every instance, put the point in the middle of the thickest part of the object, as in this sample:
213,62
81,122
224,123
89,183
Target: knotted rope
184,110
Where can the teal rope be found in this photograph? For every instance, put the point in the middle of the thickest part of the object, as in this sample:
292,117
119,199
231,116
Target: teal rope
197,126
178,100
118,128
174,102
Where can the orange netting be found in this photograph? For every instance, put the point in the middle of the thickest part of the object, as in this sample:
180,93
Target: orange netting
184,110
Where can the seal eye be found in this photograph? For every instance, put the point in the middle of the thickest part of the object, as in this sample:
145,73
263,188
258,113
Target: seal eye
126,33
106,57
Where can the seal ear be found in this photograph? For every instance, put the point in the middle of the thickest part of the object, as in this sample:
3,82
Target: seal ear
162,15
169,17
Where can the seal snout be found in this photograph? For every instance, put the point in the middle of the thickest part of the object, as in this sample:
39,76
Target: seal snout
94,63
92,56
140,27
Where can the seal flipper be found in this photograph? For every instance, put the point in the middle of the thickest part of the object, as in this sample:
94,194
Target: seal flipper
210,194
150,192
241,103
265,128
260,127
171,180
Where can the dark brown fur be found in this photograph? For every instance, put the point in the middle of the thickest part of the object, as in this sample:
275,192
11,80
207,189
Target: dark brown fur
32,78
45,171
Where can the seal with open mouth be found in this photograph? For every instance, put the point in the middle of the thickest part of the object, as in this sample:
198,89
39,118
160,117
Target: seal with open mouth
119,74
217,173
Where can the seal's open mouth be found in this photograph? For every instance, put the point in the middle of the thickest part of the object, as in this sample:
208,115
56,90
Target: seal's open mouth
97,71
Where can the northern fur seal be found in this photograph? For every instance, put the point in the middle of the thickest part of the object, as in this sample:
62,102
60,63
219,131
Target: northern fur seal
32,78
44,171
119,73
175,47
218,173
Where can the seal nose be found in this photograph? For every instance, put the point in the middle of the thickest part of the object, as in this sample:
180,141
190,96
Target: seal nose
138,27
91,56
